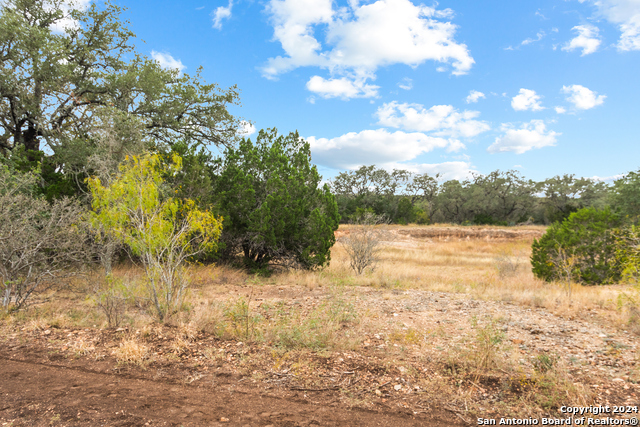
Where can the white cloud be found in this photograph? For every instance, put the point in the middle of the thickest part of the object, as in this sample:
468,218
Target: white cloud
630,38
539,36
560,110
588,39
474,96
530,135
246,129
67,22
220,14
343,88
625,14
440,120
583,98
607,178
447,170
526,100
361,38
406,84
167,61
368,147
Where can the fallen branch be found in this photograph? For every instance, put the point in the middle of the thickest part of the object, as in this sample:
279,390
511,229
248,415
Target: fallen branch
313,389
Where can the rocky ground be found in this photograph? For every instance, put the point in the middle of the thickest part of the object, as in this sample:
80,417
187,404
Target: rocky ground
413,358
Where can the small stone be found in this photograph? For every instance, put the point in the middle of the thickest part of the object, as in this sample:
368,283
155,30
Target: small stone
397,387
378,393
224,420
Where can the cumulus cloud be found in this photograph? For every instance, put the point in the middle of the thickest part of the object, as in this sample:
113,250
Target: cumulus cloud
560,110
526,100
474,96
424,130
167,61
626,15
344,88
439,120
529,136
369,147
588,39
361,38
583,98
221,14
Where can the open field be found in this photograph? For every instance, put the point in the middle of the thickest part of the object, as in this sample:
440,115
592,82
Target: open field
450,326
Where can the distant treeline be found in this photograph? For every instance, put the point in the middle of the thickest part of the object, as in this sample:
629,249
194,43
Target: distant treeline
498,198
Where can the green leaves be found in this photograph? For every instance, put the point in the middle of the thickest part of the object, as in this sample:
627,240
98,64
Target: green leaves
134,211
625,195
163,231
587,236
59,86
275,210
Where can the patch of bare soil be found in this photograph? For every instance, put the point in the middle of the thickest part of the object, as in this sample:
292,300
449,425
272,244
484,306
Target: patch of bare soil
413,237
46,382
470,233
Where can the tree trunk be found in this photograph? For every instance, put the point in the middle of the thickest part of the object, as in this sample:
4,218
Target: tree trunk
31,143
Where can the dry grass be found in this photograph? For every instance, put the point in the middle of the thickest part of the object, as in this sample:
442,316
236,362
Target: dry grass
489,270
497,269
131,350
82,347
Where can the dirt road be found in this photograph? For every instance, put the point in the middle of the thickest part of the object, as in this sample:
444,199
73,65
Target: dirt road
42,394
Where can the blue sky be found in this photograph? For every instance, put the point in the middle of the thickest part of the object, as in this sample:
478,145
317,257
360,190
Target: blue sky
545,87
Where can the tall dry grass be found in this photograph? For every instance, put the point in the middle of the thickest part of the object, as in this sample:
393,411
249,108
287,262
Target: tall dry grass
488,270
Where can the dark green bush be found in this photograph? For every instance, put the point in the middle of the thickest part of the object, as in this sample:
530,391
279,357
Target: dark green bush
587,236
275,210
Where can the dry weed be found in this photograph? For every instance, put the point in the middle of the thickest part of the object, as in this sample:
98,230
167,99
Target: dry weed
187,331
180,345
131,351
206,317
37,324
82,347
507,264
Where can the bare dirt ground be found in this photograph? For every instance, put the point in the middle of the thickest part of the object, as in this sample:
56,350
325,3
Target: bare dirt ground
43,384
413,360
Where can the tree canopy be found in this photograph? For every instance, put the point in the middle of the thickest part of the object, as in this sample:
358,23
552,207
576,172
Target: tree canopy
61,67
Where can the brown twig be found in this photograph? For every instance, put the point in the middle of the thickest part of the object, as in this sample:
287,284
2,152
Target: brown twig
313,389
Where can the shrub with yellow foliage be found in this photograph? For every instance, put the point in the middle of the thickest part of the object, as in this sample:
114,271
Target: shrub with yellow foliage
163,231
